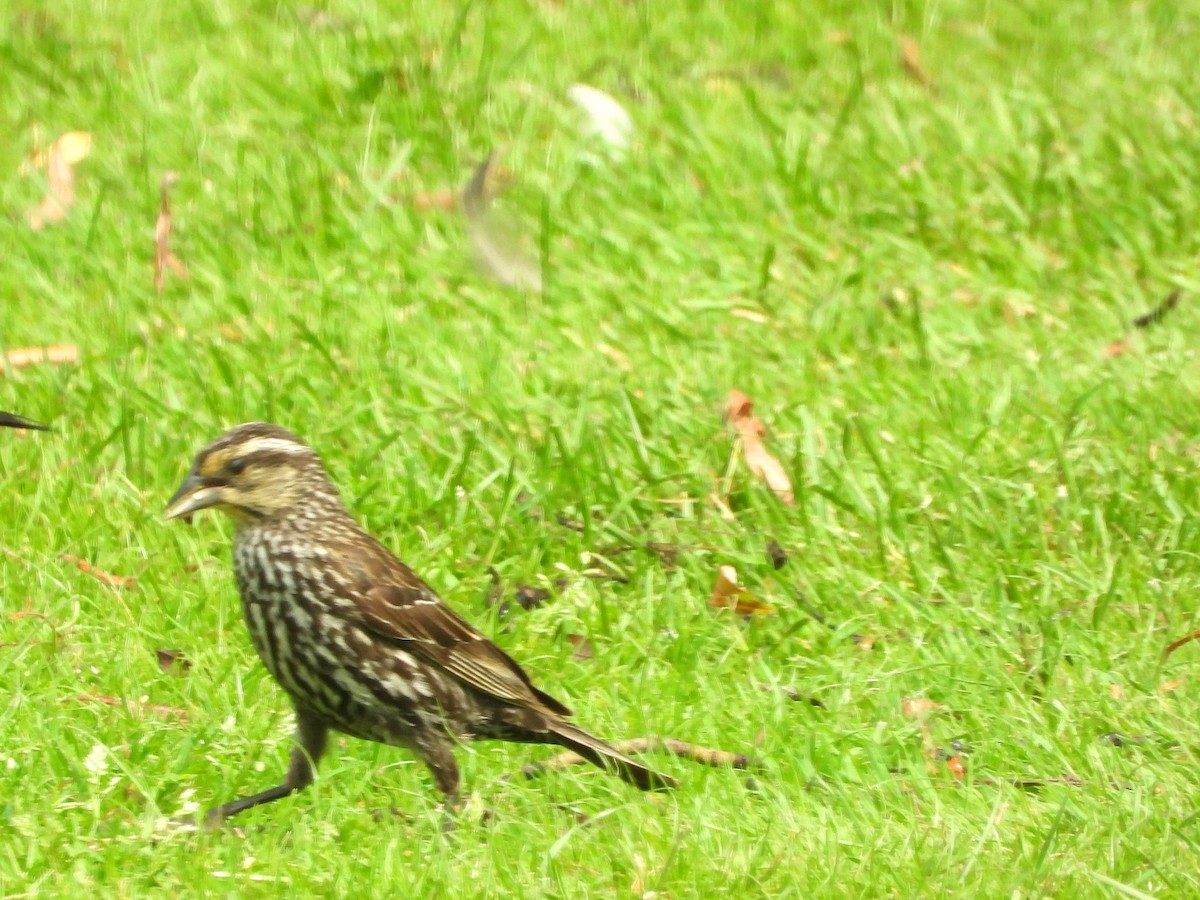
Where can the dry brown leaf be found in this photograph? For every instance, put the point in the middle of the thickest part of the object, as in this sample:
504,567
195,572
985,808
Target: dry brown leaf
114,581
163,257
58,160
173,661
72,146
956,767
910,61
918,707
1169,686
638,887
583,647
1014,310
445,199
739,411
530,597
728,594
57,354
864,641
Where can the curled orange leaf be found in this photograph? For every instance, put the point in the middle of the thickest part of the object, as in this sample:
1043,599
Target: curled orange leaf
728,594
739,411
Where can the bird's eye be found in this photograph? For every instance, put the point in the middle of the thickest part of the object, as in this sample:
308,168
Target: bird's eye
237,465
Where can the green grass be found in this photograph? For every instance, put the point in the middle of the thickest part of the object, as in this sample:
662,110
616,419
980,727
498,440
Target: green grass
1008,512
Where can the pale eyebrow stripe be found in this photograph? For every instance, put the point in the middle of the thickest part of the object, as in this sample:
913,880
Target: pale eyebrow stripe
276,445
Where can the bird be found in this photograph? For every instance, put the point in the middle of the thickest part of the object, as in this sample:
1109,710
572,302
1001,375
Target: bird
12,420
358,641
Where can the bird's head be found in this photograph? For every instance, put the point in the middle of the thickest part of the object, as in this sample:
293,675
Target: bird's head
254,472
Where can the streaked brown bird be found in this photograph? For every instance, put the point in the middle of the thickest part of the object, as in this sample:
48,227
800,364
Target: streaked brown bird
362,644
11,420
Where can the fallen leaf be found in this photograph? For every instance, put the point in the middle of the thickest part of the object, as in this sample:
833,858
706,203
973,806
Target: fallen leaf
751,431
776,554
956,767
728,594
1117,348
114,581
1017,309
605,117
445,199
1175,645
1169,686
163,257
173,660
59,159
918,707
638,887
910,61
72,146
530,597
20,357
583,647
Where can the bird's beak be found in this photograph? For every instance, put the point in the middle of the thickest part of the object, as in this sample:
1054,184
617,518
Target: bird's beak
196,493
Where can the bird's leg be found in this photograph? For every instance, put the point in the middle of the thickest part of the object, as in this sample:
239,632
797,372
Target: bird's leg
311,734
438,755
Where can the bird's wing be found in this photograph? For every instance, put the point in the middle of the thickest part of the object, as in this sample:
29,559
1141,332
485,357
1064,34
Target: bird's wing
399,607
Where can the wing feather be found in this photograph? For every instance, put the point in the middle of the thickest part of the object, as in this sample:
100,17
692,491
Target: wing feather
399,607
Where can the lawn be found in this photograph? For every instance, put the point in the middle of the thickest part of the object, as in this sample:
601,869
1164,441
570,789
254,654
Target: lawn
917,236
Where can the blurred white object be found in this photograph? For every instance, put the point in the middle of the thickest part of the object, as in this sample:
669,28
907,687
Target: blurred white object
606,118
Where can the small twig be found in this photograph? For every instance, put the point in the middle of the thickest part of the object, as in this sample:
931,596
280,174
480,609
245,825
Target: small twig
1156,315
809,608
792,694
1175,645
1034,783
705,756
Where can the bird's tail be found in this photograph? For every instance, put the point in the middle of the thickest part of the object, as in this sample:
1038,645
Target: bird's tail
606,756
12,420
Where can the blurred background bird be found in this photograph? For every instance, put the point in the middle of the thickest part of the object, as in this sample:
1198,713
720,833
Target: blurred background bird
360,643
